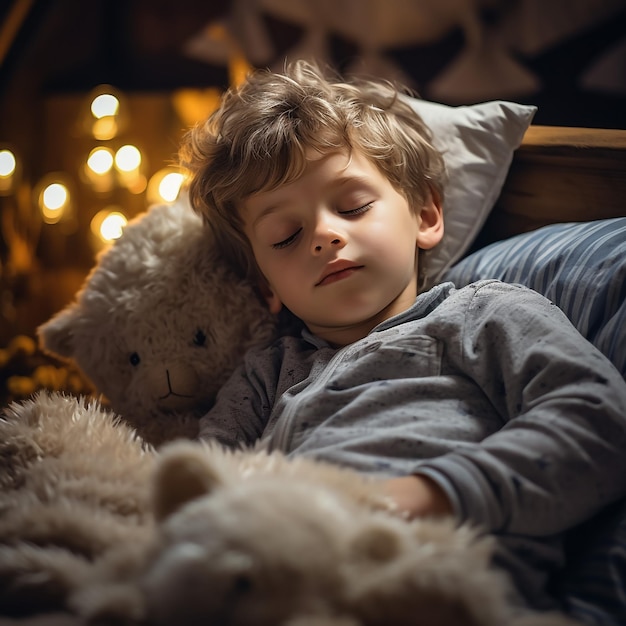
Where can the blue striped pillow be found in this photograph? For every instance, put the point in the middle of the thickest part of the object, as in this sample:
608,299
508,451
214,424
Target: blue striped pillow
581,267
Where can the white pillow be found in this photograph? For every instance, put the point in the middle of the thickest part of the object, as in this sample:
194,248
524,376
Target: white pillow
477,143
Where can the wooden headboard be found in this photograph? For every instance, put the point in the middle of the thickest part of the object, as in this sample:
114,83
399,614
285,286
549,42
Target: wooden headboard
560,174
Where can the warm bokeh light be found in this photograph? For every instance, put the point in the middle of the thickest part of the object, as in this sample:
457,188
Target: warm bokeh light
112,226
105,128
165,185
169,187
105,104
100,160
8,163
54,196
8,170
54,200
127,158
107,225
105,113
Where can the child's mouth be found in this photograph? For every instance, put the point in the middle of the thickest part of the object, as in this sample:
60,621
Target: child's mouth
338,275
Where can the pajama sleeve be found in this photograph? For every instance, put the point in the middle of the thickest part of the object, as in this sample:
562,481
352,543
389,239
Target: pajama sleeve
561,453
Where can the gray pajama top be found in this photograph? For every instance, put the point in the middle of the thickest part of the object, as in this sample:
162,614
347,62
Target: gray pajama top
488,389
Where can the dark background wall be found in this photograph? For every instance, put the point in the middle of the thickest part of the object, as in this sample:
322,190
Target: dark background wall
566,56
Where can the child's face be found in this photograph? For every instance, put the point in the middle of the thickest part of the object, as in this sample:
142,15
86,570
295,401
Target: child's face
338,247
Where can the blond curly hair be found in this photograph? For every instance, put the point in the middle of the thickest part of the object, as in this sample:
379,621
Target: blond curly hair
258,139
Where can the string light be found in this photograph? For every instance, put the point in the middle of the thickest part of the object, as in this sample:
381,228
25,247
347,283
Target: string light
8,170
108,167
104,105
54,199
106,113
165,185
7,163
112,226
107,225
128,158
100,160
169,187
97,170
128,161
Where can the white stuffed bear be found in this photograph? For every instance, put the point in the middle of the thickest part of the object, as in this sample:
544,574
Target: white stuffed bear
260,540
95,529
160,323
248,538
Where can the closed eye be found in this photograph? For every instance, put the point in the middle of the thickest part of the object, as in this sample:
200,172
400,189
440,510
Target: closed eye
286,242
359,210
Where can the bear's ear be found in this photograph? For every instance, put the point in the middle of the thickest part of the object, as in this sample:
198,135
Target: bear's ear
183,473
56,335
376,542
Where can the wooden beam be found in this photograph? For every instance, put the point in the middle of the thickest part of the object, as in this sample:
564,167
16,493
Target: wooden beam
560,174
10,27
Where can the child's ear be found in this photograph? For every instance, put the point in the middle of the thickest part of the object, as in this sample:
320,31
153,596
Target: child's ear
431,222
273,301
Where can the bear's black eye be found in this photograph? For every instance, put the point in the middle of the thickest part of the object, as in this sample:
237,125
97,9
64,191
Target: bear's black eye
134,359
242,584
199,338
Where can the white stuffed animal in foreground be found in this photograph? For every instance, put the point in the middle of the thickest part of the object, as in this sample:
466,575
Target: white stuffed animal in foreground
257,539
160,323
301,542
95,529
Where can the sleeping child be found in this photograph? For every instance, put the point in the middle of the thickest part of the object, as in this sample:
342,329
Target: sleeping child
483,402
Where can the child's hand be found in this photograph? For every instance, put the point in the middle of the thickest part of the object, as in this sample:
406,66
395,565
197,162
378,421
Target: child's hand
417,496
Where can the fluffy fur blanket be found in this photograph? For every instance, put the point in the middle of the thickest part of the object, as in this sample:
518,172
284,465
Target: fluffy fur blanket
96,527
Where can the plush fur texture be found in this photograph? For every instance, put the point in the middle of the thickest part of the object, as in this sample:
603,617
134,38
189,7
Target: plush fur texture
98,528
72,487
160,323
277,540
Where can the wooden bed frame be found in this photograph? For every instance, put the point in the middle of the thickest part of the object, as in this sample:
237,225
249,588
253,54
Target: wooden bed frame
560,174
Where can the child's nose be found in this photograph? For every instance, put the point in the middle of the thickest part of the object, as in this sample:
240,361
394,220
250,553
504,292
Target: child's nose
334,242
326,236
